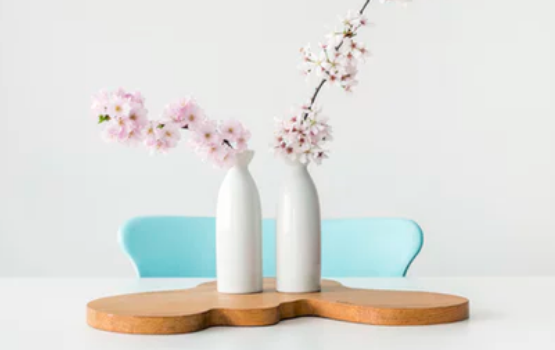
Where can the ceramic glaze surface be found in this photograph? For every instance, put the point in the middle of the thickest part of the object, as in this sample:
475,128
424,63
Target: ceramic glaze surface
239,231
298,232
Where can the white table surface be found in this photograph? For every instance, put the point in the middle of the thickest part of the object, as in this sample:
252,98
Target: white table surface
506,313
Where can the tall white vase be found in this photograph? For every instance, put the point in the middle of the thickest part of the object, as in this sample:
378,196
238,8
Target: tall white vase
298,233
239,231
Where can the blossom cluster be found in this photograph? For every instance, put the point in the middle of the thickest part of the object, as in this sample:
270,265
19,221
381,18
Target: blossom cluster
339,55
220,142
125,121
123,113
303,136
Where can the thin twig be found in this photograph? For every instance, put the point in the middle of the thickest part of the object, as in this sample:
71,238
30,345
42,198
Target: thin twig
364,7
317,91
319,87
226,142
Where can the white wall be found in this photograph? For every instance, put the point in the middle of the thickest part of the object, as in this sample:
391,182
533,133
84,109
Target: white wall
452,125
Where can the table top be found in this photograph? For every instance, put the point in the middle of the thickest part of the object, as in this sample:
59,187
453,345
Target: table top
507,313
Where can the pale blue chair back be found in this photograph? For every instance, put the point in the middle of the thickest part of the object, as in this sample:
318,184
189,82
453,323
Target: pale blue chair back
186,246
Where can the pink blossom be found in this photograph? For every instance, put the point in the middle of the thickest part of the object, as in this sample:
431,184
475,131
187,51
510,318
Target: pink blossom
231,130
207,132
339,55
186,113
137,118
136,98
303,136
171,114
133,98
168,135
150,136
118,107
209,150
223,156
220,143
100,103
318,156
114,132
193,114
125,120
135,137
161,137
227,158
350,19
242,140
219,154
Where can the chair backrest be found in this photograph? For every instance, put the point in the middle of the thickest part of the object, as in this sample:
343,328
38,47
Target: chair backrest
171,246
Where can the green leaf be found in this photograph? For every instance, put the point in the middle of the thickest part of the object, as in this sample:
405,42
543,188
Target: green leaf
103,118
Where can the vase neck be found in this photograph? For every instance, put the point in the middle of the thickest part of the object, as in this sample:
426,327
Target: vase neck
297,167
243,159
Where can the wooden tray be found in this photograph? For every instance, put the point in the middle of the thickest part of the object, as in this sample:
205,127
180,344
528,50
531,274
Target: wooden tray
191,310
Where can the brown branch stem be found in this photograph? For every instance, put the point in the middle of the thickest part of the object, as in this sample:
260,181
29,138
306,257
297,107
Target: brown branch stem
224,142
324,80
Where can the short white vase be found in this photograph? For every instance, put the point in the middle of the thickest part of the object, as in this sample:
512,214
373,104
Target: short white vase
298,241
239,231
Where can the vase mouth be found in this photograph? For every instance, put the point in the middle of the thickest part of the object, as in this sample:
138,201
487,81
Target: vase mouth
244,158
295,163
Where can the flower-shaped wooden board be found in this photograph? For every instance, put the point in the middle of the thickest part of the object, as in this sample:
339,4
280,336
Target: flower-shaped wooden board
191,310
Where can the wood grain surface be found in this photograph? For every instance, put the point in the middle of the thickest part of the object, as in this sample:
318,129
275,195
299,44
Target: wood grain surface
191,310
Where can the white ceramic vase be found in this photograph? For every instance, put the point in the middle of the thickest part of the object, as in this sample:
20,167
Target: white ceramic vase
298,242
239,231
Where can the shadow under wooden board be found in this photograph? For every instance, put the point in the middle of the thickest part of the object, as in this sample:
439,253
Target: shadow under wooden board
191,310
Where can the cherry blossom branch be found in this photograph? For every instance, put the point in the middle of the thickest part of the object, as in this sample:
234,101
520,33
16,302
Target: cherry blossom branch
364,7
125,120
313,98
224,141
324,80
304,136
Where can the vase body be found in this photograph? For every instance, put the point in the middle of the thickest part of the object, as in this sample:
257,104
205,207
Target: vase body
239,231
298,236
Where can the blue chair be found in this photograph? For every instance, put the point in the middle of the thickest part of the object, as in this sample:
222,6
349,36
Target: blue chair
186,246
